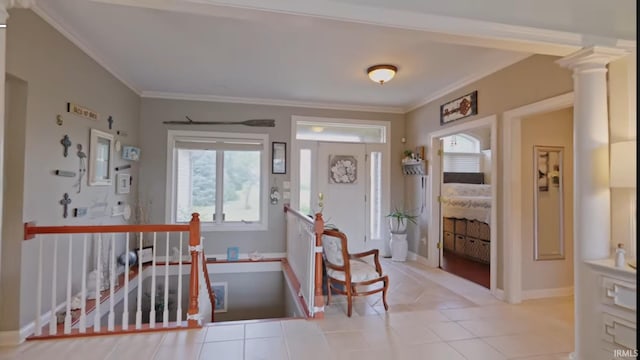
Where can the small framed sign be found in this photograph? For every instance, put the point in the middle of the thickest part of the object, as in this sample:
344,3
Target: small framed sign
123,183
233,253
220,295
130,153
145,255
459,108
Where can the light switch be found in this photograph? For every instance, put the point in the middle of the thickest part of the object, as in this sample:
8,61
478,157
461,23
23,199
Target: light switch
286,185
286,195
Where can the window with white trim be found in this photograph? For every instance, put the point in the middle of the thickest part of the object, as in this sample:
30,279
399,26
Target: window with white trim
461,153
221,176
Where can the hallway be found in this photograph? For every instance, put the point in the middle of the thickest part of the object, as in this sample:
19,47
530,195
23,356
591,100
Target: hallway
432,315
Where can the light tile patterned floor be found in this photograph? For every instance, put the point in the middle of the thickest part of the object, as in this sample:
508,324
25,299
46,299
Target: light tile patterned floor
432,315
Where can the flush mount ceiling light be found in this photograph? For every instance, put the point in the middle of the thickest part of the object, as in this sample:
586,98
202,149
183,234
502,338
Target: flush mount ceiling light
382,73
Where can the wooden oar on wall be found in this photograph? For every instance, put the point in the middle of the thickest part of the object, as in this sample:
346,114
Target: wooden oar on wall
253,122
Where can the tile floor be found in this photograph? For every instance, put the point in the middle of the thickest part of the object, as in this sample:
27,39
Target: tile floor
432,315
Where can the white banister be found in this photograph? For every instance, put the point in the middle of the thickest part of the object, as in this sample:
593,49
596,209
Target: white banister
67,317
179,309
112,284
125,313
165,312
39,290
83,291
96,318
152,312
139,306
53,321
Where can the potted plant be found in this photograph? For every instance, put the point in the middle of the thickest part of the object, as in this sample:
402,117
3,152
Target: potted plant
398,220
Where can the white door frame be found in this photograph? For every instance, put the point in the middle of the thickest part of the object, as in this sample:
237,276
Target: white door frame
295,156
434,187
511,184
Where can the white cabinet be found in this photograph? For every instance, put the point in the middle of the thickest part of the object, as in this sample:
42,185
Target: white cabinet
616,308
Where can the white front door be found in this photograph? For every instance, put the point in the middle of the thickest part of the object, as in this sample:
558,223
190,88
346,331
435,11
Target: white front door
341,177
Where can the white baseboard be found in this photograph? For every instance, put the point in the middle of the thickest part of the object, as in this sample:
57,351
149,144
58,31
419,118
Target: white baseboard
244,256
499,294
417,258
10,338
546,293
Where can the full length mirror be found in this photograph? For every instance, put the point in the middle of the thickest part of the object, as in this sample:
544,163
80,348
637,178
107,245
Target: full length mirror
547,200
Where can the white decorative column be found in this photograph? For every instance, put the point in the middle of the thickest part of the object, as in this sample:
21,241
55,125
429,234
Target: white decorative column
591,204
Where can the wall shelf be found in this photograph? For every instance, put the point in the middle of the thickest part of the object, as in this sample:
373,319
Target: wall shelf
415,167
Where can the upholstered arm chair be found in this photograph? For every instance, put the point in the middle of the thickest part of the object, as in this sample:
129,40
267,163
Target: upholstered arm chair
351,270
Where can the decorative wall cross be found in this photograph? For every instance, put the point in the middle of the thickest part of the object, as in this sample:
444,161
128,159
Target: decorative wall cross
110,121
65,143
65,203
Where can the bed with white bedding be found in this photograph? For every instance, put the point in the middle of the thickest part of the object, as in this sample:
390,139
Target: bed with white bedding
466,201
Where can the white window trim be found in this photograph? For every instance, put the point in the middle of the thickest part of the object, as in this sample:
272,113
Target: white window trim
170,198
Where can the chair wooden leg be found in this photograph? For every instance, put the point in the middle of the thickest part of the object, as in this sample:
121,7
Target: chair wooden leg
349,299
384,293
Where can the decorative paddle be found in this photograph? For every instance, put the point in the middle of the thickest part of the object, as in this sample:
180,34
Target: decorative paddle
253,122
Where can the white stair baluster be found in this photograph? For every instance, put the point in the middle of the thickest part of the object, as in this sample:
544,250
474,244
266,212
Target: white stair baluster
179,294
125,313
165,313
112,266
139,308
96,318
39,290
53,321
67,317
83,291
152,313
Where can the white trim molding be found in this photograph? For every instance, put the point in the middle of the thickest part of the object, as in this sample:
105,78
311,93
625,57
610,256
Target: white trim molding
511,184
271,102
547,293
11,338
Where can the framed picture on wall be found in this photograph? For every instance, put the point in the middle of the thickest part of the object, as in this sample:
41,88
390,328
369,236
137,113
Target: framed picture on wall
278,158
220,295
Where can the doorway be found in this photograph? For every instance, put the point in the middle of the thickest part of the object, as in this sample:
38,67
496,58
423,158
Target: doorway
443,233
340,168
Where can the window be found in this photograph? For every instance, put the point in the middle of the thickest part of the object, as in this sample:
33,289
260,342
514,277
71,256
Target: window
220,176
461,153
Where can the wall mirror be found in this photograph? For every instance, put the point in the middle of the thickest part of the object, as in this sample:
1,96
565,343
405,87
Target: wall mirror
547,202
100,158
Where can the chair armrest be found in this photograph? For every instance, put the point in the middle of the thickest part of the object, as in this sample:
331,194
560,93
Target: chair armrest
375,254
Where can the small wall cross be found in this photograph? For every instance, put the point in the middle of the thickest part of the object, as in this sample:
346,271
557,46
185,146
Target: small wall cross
65,143
110,121
65,203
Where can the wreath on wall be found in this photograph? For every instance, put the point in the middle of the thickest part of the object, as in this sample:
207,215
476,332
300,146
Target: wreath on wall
343,169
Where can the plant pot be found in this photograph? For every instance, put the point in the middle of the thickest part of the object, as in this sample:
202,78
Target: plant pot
399,247
397,226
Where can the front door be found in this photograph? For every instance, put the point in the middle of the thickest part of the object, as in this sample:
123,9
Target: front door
341,178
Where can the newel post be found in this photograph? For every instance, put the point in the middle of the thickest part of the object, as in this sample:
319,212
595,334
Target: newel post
194,247
318,302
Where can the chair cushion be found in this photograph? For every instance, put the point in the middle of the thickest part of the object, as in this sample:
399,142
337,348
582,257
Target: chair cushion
332,248
360,271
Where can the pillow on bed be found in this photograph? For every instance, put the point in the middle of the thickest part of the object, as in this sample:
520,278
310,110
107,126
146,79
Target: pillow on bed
458,189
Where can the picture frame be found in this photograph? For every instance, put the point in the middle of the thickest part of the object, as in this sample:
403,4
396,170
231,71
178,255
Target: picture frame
130,153
145,255
100,158
459,108
278,157
220,293
123,183
233,253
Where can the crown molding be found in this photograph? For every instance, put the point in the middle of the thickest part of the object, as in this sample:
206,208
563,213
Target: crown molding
496,66
272,102
38,10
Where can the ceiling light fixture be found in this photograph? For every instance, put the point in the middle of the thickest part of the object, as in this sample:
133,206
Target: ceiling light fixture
382,73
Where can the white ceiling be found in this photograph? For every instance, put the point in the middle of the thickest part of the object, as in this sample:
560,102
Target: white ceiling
205,51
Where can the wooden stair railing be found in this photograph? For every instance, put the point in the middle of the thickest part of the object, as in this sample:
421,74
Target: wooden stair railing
317,224
193,228
212,296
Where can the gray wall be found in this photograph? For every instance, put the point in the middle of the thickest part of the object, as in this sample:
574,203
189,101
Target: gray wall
56,72
153,144
532,79
549,129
